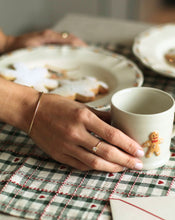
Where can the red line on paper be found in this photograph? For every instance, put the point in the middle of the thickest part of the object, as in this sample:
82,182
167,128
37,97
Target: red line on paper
144,210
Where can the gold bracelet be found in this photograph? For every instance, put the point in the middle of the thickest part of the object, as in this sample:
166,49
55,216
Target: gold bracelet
34,115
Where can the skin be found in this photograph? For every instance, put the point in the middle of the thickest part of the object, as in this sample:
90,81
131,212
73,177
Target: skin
34,39
62,127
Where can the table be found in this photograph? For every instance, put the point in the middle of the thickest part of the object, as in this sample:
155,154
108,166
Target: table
34,186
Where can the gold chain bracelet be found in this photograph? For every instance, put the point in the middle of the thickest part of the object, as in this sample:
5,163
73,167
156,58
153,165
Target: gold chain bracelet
35,112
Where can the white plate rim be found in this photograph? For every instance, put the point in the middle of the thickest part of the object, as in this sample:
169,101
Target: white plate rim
143,59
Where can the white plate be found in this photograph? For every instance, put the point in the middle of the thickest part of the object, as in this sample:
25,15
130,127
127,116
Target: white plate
152,45
115,70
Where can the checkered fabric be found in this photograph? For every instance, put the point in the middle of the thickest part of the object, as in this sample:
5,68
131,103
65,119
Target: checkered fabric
34,186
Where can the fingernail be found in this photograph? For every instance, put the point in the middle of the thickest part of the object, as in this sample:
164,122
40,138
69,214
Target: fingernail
138,166
139,153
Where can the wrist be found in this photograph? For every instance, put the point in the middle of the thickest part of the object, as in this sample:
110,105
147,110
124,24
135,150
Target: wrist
17,104
26,108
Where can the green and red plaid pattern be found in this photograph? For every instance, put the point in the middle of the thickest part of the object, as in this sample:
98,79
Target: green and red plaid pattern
34,186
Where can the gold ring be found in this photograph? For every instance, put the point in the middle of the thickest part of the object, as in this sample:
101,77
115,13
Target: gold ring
94,149
64,34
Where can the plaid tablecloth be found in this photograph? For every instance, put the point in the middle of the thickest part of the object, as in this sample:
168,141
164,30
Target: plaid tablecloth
34,186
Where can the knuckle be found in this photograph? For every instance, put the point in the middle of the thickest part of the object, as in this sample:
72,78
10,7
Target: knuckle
110,135
81,114
108,154
129,162
95,164
72,133
131,148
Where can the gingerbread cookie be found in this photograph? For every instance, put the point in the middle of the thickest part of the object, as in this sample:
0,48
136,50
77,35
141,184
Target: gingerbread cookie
55,80
83,90
153,144
170,56
38,78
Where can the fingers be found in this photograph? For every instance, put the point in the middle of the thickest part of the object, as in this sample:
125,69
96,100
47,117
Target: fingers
93,161
114,136
111,153
72,40
50,36
77,42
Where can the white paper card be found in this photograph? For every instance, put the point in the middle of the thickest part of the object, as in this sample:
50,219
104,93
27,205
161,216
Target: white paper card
145,208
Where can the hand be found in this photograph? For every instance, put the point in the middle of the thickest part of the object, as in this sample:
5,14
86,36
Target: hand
35,39
62,129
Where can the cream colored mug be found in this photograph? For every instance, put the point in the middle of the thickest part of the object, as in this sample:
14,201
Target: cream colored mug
146,115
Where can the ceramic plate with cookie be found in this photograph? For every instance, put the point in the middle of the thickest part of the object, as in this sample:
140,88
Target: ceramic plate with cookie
155,48
90,75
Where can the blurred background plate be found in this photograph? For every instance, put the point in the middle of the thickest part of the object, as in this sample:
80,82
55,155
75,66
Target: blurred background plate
152,45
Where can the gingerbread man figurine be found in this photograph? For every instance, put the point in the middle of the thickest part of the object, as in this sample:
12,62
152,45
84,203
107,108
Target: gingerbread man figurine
153,144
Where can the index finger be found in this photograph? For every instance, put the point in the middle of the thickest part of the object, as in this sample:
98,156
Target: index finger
114,136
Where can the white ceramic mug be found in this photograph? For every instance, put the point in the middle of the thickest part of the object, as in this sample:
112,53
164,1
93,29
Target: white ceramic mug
146,115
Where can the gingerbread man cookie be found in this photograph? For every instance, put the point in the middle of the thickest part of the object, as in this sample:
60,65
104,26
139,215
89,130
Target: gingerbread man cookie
153,144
